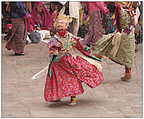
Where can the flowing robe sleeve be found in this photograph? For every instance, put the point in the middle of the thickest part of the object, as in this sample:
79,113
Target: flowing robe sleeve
79,47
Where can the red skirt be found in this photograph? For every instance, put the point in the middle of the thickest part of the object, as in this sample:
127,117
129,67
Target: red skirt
67,76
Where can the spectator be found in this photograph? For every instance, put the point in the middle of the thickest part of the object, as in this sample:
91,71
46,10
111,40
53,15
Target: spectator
42,17
96,29
16,41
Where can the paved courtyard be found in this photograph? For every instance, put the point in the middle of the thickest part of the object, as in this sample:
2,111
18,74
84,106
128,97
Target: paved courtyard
23,97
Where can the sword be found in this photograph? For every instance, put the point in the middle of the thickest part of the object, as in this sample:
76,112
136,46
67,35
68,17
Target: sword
37,74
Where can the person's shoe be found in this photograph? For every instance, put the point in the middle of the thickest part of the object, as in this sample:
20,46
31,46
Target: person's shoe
19,54
126,78
73,101
56,100
8,49
27,42
136,50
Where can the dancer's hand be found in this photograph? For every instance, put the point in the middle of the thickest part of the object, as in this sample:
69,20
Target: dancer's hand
53,52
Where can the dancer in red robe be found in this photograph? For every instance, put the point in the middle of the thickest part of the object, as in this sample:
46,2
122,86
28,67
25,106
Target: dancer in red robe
69,66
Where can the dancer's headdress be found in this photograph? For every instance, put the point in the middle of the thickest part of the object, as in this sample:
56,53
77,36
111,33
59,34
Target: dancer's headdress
62,16
126,3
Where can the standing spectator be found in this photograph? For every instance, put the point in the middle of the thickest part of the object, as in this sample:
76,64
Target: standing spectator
109,20
16,41
5,17
96,29
42,17
138,26
74,12
84,21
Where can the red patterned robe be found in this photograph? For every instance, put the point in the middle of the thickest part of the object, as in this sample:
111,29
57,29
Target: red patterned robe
68,70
